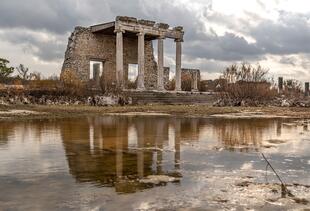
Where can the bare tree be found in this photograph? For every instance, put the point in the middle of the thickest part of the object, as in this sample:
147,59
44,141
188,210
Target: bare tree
23,72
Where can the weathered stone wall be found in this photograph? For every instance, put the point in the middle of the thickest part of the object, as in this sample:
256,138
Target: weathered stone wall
84,46
189,72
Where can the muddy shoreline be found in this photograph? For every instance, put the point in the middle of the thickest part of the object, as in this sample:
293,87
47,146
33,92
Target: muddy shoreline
24,112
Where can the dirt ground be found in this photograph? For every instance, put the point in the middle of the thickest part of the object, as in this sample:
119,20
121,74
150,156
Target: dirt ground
22,112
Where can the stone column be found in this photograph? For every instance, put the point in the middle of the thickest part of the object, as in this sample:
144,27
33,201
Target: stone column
177,142
280,84
195,81
140,85
140,152
160,72
119,59
119,153
178,58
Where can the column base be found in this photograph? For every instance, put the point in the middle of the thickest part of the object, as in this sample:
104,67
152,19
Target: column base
160,89
141,89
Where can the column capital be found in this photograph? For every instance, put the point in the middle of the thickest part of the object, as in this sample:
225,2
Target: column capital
141,33
178,40
161,37
118,30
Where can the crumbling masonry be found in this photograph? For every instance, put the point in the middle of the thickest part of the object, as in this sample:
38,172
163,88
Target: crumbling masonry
103,53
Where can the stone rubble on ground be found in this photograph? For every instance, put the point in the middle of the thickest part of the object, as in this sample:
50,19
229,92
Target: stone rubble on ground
278,102
97,100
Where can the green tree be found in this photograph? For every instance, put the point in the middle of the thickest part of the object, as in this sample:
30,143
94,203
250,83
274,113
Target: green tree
5,71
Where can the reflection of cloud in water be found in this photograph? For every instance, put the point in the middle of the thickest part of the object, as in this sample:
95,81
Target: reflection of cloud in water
31,147
117,150
244,133
65,163
118,156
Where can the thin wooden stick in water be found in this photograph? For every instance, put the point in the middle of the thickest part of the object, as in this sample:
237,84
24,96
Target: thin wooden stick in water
284,190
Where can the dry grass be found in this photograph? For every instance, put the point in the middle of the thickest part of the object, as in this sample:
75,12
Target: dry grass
57,111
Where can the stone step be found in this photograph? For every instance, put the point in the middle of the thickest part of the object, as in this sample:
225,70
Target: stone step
149,97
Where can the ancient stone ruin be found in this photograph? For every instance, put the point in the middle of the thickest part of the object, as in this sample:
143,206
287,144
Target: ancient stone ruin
102,54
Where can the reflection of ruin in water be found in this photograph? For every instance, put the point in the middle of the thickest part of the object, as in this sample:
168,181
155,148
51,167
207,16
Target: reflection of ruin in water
116,151
243,134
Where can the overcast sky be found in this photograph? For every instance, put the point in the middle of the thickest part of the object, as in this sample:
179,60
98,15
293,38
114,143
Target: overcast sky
275,33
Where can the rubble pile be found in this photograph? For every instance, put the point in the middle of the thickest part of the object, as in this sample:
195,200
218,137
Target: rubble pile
281,101
96,100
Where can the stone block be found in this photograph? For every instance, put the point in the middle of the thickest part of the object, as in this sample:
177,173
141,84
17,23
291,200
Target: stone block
146,22
126,19
162,25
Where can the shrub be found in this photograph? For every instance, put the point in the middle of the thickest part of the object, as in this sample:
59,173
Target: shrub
186,82
246,82
132,84
45,84
210,85
71,83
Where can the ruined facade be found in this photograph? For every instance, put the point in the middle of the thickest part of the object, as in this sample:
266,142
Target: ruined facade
194,74
103,53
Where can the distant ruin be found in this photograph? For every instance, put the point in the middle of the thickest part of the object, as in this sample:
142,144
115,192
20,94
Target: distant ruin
102,54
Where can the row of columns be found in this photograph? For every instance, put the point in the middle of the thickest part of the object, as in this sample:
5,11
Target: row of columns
141,61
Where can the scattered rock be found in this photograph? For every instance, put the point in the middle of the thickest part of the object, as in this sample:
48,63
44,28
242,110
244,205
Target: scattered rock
244,184
285,103
276,141
281,101
157,179
97,100
220,200
300,201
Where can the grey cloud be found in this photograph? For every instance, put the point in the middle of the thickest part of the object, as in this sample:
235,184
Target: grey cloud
205,65
305,61
261,4
46,50
59,17
290,35
228,47
288,60
56,16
